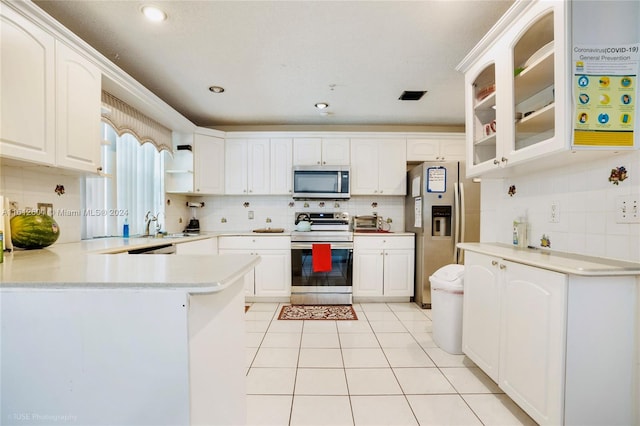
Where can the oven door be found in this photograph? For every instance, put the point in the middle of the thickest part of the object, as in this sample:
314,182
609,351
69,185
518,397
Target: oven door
321,288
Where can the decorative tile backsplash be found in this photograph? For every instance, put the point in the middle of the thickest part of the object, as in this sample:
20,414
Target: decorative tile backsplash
29,186
585,199
229,212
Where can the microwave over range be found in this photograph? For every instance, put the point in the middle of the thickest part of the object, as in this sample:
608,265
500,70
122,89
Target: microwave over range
321,182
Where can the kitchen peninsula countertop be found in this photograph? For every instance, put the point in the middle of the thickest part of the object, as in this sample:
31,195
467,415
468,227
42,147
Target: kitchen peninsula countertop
102,263
568,263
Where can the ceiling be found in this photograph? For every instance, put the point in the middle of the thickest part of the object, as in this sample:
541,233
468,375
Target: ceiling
276,59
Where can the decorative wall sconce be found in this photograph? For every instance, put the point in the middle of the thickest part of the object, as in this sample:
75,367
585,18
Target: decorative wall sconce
245,204
59,190
512,190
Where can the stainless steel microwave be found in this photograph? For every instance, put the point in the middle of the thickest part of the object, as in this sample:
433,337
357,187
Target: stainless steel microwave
321,182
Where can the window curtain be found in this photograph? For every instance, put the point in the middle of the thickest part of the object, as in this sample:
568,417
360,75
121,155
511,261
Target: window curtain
126,119
139,170
132,185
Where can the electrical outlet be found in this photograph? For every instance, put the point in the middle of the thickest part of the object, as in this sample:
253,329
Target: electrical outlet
554,212
250,215
627,209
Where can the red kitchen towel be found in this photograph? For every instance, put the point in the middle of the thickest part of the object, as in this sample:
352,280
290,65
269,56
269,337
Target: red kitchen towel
321,257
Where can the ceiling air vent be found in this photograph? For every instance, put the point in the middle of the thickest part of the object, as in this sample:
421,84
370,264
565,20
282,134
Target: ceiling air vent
412,95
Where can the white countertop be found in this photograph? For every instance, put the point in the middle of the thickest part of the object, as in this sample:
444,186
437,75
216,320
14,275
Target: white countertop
381,234
568,263
86,264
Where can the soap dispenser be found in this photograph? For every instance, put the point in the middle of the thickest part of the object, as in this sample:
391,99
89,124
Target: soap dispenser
125,228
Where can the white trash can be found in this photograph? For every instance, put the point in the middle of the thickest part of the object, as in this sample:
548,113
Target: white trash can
447,285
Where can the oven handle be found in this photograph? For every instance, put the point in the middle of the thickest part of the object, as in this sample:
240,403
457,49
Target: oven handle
306,246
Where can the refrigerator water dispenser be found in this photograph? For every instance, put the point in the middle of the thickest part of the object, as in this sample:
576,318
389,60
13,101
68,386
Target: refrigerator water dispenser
441,221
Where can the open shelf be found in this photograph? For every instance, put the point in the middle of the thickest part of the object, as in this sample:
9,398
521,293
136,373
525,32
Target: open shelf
537,122
534,78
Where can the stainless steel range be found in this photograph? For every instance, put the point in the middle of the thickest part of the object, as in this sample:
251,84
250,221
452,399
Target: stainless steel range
330,237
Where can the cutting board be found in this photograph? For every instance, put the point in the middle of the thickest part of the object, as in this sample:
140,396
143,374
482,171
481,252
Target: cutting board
269,230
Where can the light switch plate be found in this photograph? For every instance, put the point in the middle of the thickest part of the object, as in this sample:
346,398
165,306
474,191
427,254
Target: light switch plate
554,212
628,209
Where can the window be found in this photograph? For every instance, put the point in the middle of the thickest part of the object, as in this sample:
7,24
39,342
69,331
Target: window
131,185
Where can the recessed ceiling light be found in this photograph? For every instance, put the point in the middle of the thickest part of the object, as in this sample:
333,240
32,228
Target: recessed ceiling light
154,13
322,105
216,89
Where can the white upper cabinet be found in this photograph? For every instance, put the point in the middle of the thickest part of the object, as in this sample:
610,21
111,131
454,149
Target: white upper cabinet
247,166
209,164
50,98
198,170
78,89
517,90
445,147
281,166
27,90
378,167
321,151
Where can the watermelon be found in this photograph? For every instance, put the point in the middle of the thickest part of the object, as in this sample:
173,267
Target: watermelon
33,231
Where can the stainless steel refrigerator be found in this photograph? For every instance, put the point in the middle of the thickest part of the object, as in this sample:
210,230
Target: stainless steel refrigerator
442,208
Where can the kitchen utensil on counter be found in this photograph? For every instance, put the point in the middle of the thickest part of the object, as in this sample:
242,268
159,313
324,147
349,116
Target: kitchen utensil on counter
269,230
194,223
303,226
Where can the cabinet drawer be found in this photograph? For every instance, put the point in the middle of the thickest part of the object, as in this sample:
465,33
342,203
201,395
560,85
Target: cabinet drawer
386,242
254,242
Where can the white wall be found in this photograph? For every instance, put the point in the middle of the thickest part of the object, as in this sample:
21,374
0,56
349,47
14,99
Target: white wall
586,199
587,219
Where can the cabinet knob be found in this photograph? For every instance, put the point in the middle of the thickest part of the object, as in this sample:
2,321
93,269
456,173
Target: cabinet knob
503,266
381,191
324,162
99,168
496,162
504,159
317,162
494,262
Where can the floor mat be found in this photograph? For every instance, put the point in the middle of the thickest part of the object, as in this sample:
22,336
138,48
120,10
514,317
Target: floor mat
317,312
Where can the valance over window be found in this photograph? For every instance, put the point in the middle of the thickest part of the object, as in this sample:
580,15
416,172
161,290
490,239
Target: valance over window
126,119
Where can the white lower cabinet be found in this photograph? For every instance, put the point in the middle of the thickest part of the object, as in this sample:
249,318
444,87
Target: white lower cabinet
481,312
383,266
207,246
272,276
532,331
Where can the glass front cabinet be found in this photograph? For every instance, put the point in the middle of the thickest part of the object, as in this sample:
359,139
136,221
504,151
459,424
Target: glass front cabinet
516,89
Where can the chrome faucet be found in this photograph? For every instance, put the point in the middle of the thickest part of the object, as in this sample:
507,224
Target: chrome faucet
148,218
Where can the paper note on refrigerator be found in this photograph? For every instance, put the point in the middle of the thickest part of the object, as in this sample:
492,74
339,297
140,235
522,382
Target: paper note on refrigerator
417,213
415,186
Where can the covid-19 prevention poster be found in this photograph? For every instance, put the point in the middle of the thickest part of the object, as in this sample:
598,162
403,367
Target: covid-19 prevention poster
605,92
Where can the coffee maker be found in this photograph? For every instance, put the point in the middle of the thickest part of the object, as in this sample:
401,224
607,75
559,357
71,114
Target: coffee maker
194,224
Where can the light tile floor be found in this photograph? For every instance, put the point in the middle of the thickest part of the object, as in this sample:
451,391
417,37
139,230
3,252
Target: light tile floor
383,369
